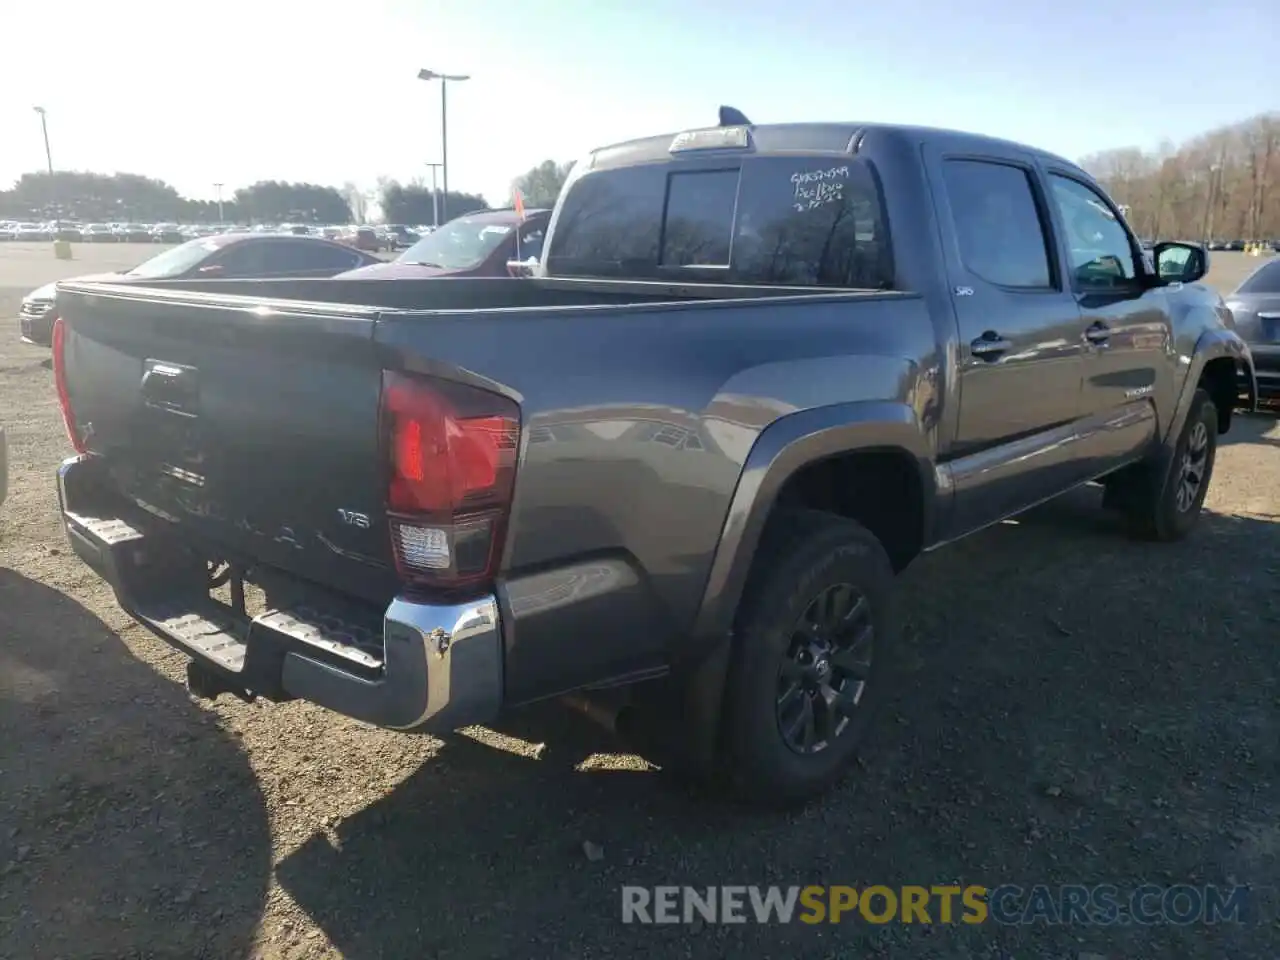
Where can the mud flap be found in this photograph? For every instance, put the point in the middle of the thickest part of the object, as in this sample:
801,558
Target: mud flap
677,720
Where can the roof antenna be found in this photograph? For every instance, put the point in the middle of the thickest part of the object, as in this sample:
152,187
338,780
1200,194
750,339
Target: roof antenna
731,117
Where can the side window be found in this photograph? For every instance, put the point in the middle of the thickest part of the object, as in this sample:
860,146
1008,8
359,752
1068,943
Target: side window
241,260
326,257
285,256
1002,239
1099,251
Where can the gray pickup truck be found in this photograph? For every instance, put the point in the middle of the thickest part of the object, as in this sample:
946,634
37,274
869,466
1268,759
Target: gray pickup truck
759,370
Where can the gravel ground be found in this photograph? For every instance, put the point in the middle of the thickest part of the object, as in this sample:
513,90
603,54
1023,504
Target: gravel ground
1073,707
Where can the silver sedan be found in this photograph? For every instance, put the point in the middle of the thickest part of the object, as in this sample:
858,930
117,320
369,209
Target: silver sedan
1255,305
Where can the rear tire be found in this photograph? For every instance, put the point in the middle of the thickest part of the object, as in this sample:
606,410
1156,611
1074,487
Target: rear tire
1162,500
808,667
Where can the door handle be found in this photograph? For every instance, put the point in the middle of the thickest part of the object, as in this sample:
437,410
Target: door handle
989,346
1098,333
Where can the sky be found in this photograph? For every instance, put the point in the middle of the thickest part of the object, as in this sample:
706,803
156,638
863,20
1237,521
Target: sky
236,91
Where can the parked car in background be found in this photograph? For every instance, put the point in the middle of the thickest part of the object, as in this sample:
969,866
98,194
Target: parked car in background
225,257
97,233
167,233
133,233
29,233
363,238
401,236
473,245
1255,306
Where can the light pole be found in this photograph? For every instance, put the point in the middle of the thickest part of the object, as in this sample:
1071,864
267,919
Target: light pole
435,195
218,187
1215,185
48,159
444,78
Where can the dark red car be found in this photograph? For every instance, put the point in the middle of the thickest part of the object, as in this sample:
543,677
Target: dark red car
473,245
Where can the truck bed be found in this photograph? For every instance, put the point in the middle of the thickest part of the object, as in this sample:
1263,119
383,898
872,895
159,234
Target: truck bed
249,425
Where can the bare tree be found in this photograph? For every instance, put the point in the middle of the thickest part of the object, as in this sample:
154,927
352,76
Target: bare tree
541,186
1220,185
357,200
1260,147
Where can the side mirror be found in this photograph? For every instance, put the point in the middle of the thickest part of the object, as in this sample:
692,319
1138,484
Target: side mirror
1180,262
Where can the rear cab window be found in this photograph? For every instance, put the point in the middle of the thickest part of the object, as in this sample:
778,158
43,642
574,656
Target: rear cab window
788,220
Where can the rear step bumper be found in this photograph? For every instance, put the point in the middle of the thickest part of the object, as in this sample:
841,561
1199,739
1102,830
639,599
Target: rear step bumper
417,667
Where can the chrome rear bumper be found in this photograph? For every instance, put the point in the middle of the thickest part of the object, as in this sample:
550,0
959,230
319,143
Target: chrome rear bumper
416,667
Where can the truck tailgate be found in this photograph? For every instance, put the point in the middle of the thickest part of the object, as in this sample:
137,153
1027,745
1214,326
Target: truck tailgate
254,427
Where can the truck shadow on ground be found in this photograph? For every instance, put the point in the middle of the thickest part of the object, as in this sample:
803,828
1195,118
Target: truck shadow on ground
1254,428
1066,702
115,792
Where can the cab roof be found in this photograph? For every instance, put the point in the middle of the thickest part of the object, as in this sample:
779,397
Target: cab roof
809,138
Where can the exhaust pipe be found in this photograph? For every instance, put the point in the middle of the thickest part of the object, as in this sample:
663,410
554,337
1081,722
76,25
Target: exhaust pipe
613,717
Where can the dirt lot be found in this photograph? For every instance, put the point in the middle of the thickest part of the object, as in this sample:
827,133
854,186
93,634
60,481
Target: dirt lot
1073,708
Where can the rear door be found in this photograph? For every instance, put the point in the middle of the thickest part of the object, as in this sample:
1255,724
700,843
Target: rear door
256,429
1020,353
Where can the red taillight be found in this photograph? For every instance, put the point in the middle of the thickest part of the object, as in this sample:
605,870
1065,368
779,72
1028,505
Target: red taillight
451,458
60,383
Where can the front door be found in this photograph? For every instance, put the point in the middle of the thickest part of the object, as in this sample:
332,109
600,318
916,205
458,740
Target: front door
1020,351
1128,340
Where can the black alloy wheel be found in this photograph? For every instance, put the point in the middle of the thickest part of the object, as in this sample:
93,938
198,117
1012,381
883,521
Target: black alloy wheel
825,669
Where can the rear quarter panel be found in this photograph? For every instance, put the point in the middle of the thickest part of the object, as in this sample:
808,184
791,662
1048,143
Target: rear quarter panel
638,422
